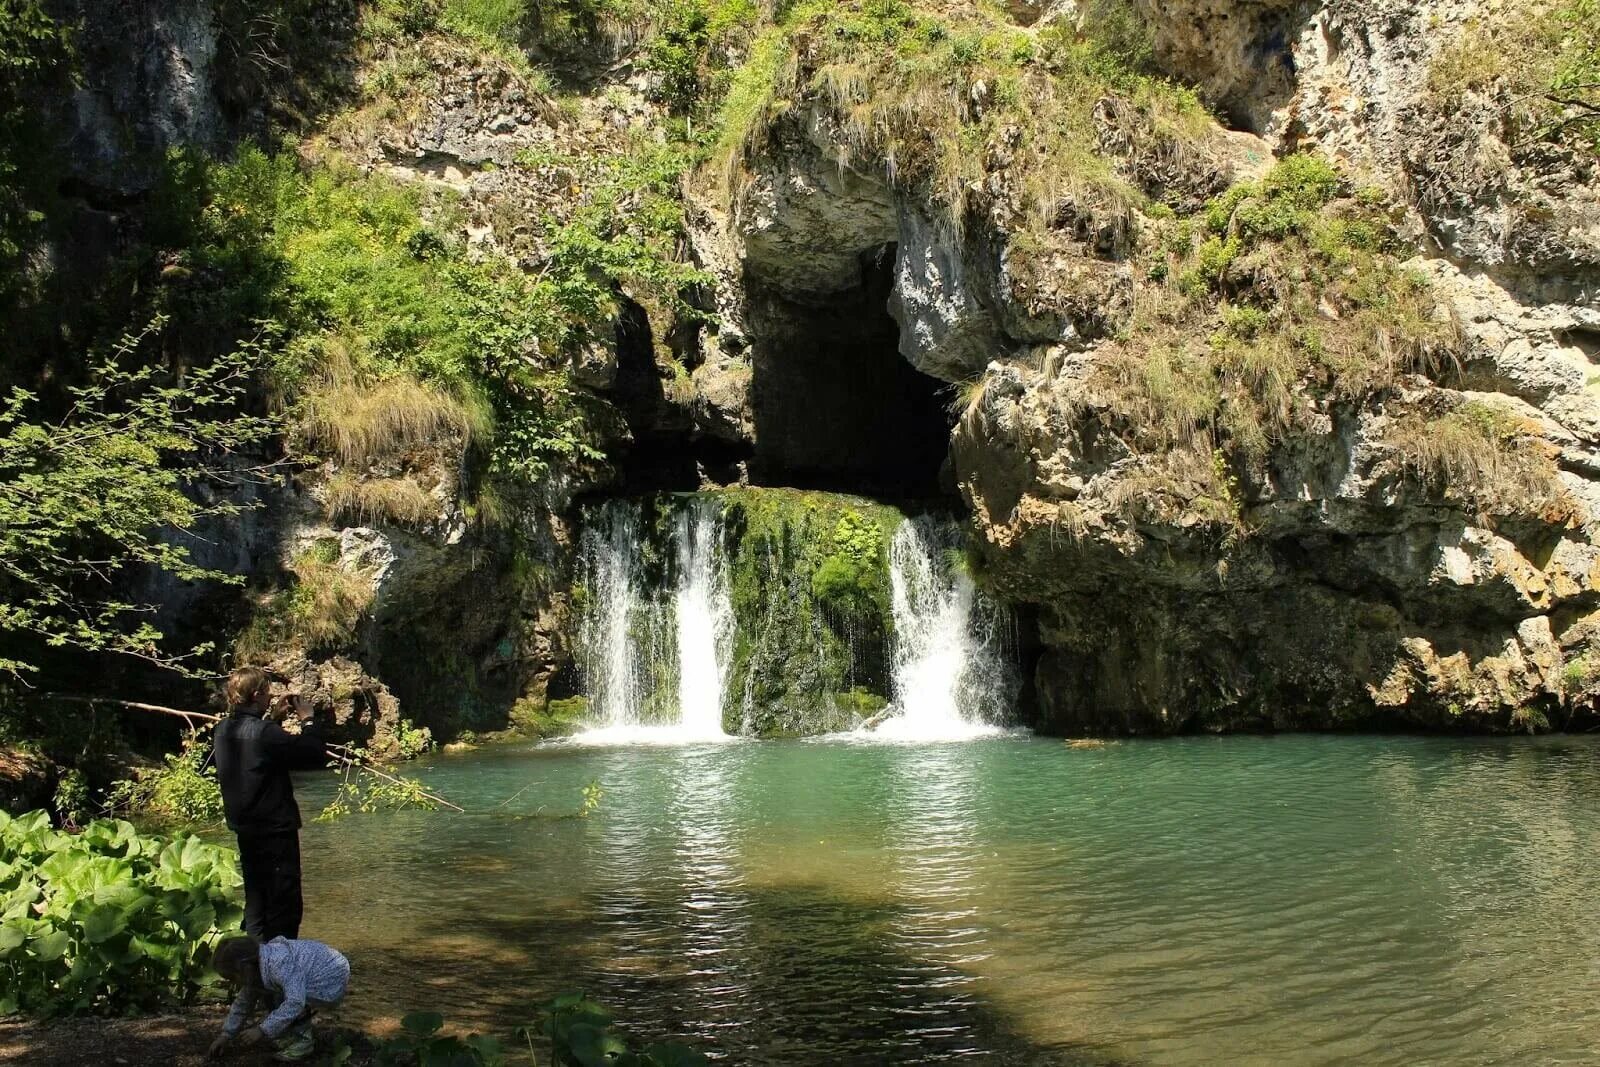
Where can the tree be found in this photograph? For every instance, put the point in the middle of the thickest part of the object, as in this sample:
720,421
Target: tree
91,496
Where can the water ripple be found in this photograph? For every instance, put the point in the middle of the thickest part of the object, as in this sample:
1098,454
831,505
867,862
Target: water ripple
1314,900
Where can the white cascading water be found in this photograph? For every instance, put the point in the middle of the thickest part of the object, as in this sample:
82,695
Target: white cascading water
704,615
951,676
655,661
611,667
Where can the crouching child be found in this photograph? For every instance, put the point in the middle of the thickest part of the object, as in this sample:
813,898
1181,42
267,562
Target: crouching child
301,976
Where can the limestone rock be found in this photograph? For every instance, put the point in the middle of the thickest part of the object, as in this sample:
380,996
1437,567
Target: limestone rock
352,706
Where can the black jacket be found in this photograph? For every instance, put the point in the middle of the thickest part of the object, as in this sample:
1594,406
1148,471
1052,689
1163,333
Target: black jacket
254,758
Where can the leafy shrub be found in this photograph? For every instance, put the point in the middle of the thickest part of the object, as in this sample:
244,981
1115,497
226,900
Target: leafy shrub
85,500
108,920
582,1034
71,799
412,740
183,791
365,789
1541,57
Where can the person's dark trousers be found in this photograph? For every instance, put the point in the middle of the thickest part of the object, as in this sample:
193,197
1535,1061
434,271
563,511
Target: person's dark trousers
271,867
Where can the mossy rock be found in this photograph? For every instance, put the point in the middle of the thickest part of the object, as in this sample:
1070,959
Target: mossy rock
555,718
809,583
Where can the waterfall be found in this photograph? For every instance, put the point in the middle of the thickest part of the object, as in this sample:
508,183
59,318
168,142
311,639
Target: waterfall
704,620
952,677
611,666
654,651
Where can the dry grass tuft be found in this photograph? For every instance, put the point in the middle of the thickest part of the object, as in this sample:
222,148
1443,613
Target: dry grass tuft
1492,459
321,609
940,103
377,500
1277,293
359,421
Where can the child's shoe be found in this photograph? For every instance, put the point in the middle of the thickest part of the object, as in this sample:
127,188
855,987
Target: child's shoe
296,1045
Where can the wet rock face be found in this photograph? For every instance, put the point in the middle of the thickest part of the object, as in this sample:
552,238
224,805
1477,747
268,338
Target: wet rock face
149,85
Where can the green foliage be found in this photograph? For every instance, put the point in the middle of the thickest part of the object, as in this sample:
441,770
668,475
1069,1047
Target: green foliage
1541,59
34,53
592,794
624,230
1281,290
88,496
71,798
183,791
371,289
690,50
108,920
420,1044
582,1033
366,790
852,578
808,581
412,740
1578,674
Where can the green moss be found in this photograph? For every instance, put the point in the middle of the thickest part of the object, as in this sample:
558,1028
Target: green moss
810,592
554,718
1283,290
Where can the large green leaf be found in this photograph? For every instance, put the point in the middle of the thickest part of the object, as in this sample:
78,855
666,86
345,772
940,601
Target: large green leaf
64,864
51,946
198,921
12,935
422,1023
103,922
592,1046
21,900
195,851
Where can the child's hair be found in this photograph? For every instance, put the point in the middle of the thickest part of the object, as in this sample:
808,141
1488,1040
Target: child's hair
236,954
243,685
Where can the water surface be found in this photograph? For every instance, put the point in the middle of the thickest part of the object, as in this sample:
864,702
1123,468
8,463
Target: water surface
1305,899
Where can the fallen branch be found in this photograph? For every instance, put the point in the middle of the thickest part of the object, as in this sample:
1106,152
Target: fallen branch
341,753
352,760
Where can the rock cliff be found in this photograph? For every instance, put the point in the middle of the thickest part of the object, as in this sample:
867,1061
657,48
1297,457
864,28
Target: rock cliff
1256,337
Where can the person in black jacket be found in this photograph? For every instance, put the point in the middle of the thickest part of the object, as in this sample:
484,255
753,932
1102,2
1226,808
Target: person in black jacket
254,756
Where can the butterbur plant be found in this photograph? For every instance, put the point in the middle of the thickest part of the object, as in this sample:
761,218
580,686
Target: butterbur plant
421,1043
581,1034
108,920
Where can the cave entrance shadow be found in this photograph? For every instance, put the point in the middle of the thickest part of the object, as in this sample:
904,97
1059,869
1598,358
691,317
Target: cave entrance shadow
835,405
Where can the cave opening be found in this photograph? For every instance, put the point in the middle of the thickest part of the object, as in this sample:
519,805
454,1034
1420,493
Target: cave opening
666,453
835,405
